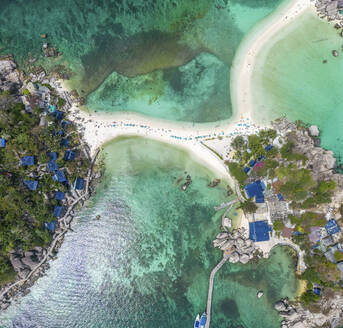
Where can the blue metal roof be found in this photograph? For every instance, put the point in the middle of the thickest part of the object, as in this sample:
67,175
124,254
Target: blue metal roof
332,227
259,231
31,184
52,166
52,155
69,155
27,161
78,184
280,197
252,163
246,169
57,211
64,142
255,189
50,226
259,199
3,142
59,176
269,147
59,195
317,291
58,114
65,124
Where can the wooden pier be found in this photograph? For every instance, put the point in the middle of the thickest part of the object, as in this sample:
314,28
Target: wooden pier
210,288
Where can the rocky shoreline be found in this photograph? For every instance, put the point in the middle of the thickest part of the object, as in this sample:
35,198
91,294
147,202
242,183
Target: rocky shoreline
31,265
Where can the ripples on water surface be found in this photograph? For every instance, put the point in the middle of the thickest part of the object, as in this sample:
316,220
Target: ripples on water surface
166,58
146,262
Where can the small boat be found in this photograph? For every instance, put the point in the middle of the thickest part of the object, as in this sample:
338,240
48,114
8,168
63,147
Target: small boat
203,320
197,321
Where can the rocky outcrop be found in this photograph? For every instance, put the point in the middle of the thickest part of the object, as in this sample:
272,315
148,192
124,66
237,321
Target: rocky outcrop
236,245
295,316
9,76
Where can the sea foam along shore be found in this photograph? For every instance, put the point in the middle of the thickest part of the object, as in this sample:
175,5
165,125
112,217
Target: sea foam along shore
244,61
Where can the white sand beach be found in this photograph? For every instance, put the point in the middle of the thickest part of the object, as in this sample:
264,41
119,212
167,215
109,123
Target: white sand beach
244,61
101,128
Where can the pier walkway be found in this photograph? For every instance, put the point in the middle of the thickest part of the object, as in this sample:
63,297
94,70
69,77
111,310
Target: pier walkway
210,288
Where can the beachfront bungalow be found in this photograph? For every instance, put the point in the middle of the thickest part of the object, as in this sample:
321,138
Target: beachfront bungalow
52,166
27,161
31,184
3,143
59,176
52,156
78,184
69,155
259,231
57,211
51,226
256,190
332,227
59,195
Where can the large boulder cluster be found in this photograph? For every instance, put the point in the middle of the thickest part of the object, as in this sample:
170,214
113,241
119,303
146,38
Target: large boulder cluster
235,245
294,316
9,75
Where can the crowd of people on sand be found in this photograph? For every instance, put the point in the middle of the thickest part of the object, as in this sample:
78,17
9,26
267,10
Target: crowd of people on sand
102,127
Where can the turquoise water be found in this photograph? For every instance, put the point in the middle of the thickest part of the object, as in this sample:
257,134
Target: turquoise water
167,59
147,261
291,78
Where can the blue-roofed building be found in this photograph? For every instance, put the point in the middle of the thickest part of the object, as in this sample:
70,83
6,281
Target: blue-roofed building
52,156
59,176
69,155
52,166
317,291
3,143
65,124
58,114
246,169
259,199
64,142
269,147
57,211
78,184
255,189
332,227
27,161
31,184
59,195
252,163
51,226
259,231
280,197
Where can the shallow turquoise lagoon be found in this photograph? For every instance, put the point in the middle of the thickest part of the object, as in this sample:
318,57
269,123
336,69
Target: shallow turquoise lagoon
147,261
297,76
168,58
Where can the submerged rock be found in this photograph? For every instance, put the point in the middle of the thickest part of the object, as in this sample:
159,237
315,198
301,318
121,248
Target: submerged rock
335,53
260,294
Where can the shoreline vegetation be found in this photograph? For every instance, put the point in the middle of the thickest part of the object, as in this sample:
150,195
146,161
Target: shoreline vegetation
46,173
